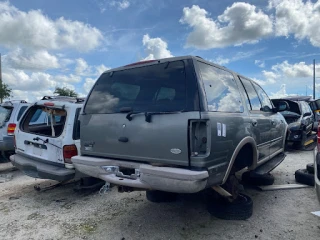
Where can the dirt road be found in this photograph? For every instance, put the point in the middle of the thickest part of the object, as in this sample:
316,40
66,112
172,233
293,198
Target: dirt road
61,213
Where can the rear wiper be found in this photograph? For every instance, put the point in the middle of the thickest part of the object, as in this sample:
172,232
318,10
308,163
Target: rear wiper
149,114
130,112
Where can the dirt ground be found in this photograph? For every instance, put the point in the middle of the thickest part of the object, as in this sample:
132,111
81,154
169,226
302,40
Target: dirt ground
61,213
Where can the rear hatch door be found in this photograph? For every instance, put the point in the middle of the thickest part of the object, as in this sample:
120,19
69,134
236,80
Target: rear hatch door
39,135
142,114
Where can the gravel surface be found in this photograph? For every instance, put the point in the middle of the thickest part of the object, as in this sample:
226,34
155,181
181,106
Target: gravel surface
61,213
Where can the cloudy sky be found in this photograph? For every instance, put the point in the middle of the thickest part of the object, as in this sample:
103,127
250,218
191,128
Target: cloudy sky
45,44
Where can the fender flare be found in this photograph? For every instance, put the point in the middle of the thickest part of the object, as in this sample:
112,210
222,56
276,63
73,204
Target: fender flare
243,142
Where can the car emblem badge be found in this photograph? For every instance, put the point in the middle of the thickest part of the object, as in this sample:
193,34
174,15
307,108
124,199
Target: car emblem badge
123,126
175,151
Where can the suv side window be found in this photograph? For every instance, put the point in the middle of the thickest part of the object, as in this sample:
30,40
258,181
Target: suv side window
21,111
76,125
254,101
221,89
266,103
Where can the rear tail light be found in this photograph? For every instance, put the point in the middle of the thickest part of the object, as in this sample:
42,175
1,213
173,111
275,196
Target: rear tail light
11,128
68,152
198,137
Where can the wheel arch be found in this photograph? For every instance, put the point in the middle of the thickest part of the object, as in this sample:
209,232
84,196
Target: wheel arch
243,144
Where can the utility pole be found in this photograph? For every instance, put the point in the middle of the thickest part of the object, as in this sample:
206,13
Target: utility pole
1,86
314,79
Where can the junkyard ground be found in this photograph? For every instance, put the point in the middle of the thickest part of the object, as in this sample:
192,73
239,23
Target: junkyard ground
61,213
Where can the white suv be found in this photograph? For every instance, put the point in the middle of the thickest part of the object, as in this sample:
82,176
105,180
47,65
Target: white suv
47,137
10,114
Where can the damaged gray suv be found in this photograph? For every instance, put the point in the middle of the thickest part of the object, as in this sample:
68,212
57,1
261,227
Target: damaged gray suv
179,125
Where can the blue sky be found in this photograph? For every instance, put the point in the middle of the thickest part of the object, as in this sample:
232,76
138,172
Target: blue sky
45,44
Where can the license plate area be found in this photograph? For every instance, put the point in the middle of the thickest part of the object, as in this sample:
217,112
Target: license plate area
123,172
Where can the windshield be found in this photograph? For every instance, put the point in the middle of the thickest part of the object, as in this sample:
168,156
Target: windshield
5,114
159,87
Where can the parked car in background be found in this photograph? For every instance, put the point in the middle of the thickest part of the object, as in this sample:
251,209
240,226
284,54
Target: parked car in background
299,118
180,125
315,107
10,114
47,137
316,164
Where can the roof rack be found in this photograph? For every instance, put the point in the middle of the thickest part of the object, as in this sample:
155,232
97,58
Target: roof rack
13,101
65,98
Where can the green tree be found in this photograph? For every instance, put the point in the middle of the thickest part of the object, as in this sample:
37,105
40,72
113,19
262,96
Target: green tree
5,91
65,92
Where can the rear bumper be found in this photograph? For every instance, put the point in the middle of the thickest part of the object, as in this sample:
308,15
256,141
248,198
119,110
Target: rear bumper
7,144
145,176
317,172
42,170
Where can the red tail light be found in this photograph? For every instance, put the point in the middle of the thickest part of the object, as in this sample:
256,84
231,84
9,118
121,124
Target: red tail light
11,128
68,152
49,104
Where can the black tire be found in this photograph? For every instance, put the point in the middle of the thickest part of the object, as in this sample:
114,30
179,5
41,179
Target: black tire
160,196
310,168
239,209
302,176
252,178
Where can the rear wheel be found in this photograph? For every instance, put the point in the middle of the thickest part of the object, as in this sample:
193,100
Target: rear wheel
160,196
302,176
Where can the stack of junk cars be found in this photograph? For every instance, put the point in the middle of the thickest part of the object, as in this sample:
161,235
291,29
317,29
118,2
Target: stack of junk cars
168,126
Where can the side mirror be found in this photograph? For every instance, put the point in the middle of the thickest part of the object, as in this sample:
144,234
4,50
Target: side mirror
282,106
307,114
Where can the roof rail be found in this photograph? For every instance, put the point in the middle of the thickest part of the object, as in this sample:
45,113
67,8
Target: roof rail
65,98
21,101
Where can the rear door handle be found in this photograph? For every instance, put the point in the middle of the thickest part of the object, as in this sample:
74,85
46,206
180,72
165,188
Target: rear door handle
254,123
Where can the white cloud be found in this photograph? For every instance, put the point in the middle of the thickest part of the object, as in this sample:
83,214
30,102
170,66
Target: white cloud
156,48
121,5
100,69
88,83
32,60
241,23
296,70
236,57
34,30
297,17
259,63
82,67
281,93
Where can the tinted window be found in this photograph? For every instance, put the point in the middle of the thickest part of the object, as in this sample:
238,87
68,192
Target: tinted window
221,89
265,101
21,111
5,114
159,87
252,95
305,107
76,125
43,121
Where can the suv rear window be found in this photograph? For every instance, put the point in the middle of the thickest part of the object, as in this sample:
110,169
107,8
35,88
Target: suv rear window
39,120
153,88
5,114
